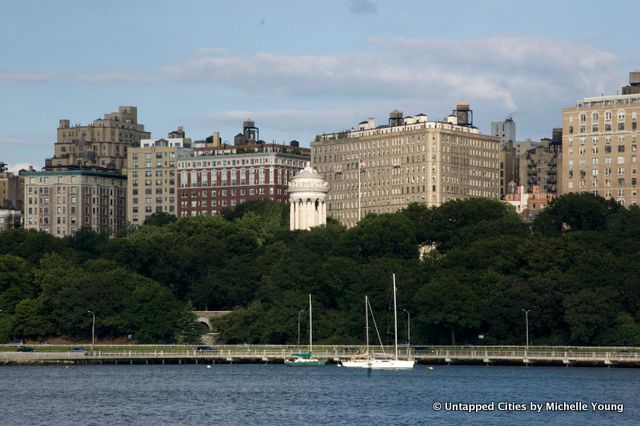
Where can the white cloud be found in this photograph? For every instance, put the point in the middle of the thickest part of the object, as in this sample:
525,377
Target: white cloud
15,168
284,121
117,78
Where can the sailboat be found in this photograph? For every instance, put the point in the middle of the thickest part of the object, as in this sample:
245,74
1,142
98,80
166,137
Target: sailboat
306,359
361,362
374,363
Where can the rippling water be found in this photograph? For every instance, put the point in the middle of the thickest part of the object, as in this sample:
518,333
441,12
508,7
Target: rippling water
281,395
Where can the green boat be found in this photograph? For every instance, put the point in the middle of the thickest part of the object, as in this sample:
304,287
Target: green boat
306,359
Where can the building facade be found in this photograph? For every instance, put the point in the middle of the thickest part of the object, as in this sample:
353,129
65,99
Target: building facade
528,204
505,130
600,143
214,177
540,166
508,166
10,219
11,189
61,202
383,169
152,185
102,144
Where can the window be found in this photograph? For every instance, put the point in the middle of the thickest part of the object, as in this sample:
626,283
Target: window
620,148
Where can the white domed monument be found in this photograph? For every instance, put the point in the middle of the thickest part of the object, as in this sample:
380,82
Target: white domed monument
307,193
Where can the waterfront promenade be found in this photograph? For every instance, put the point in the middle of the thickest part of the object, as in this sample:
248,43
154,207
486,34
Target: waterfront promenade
178,354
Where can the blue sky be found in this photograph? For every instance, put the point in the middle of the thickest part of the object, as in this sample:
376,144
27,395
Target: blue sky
302,67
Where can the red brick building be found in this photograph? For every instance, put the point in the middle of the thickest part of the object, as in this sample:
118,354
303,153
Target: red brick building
216,177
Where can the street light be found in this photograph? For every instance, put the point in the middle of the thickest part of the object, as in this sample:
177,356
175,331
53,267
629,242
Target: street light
93,329
299,312
526,322
408,332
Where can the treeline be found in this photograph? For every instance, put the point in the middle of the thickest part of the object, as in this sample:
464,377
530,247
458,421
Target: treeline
575,268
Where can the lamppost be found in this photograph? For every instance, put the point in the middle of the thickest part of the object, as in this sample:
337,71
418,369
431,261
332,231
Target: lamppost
408,332
299,313
526,322
93,329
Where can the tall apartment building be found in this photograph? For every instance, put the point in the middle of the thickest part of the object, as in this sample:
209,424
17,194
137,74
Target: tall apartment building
508,166
600,144
216,176
102,144
382,169
60,202
540,166
152,177
11,189
505,130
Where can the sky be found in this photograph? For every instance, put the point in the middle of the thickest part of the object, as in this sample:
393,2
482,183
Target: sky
299,68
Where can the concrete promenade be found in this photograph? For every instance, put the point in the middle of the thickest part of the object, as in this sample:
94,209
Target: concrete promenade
179,354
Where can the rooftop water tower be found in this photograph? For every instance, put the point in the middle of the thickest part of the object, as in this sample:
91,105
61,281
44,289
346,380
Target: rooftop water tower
250,131
463,114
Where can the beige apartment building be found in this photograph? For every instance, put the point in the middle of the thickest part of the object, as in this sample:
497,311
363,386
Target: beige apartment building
102,144
61,202
152,184
11,189
600,144
382,169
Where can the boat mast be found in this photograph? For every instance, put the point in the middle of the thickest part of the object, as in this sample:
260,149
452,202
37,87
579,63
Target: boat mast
310,327
366,320
395,318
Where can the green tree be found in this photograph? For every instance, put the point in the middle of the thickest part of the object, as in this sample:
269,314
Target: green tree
575,212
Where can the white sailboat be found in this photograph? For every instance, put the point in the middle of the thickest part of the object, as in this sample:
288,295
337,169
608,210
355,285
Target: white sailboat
374,363
361,362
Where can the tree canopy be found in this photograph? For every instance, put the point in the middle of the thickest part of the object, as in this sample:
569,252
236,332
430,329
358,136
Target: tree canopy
576,268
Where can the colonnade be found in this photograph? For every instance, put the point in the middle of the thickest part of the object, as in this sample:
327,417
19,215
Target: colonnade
307,213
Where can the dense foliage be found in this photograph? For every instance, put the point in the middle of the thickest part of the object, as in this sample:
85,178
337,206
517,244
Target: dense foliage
575,268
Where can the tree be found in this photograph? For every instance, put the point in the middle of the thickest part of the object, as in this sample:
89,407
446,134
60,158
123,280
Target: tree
575,212
160,219
447,302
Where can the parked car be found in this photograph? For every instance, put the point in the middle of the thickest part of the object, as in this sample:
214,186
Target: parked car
26,349
79,349
204,348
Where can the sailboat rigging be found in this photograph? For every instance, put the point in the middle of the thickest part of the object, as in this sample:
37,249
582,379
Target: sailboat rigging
306,359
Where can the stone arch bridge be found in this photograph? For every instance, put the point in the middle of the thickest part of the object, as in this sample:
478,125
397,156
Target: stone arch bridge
205,317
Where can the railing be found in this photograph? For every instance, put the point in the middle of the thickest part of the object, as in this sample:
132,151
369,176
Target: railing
449,354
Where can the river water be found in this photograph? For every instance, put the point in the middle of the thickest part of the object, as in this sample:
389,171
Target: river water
280,395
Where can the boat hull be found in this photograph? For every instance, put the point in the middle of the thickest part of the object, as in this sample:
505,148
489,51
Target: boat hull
305,362
391,364
379,364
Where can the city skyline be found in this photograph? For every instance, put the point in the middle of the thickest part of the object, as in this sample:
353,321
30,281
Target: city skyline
299,70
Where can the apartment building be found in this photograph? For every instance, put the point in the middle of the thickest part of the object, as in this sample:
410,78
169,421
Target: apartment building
217,178
600,144
540,166
11,189
152,176
382,169
102,144
61,202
